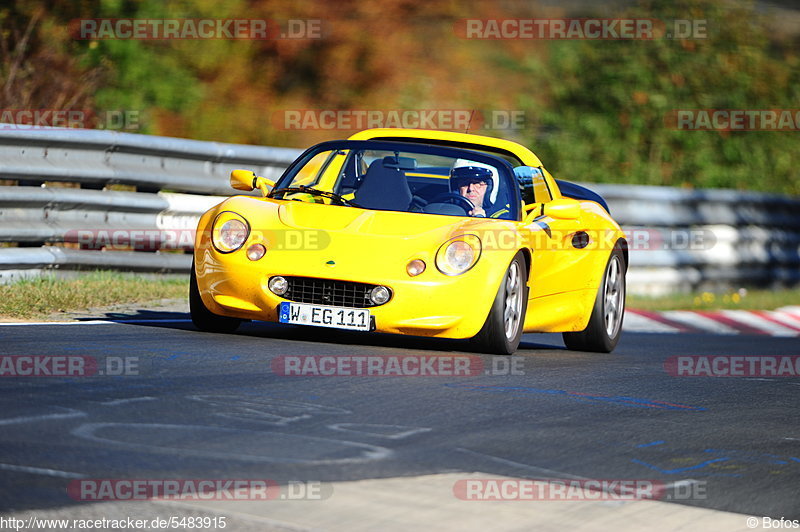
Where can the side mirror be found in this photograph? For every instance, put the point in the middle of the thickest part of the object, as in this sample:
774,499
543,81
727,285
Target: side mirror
563,209
248,180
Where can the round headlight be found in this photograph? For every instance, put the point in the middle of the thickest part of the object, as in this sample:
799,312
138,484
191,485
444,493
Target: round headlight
415,267
278,285
230,232
379,295
458,255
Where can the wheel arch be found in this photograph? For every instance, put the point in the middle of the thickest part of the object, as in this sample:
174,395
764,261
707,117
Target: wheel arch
623,245
527,255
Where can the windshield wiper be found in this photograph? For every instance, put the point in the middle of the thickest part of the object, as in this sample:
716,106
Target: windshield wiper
314,192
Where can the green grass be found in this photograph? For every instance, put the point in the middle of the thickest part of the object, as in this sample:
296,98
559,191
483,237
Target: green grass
741,299
39,298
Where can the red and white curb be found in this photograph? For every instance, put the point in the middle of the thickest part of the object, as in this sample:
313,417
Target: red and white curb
784,321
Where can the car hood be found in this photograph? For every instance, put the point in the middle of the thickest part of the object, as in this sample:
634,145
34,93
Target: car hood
353,243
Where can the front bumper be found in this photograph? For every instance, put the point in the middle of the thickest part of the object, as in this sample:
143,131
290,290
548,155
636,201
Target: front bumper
431,304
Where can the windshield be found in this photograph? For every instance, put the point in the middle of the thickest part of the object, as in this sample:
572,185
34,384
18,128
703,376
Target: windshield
396,176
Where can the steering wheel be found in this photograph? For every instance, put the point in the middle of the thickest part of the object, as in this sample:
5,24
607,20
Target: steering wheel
456,199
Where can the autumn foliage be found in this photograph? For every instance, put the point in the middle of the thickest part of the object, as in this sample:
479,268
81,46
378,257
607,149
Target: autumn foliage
593,110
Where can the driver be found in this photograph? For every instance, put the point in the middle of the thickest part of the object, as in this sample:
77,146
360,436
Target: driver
478,182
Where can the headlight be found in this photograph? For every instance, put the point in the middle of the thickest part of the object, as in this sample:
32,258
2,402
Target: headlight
278,285
380,295
458,254
230,232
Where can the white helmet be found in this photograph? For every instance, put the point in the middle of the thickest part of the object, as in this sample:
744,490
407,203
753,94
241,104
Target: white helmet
466,169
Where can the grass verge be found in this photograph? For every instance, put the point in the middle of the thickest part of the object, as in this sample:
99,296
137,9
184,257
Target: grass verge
741,299
41,297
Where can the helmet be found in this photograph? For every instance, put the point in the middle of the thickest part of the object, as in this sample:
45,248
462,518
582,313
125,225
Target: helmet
464,170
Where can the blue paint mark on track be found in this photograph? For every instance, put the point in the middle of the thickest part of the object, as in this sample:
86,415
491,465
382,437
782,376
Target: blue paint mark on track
695,467
651,444
580,396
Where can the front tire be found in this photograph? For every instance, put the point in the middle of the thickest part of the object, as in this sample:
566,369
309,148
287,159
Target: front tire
502,331
204,319
605,324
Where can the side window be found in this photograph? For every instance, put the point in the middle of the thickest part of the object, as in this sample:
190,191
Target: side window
533,184
308,175
331,170
540,190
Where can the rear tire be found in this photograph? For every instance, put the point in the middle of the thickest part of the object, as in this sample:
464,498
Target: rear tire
605,324
502,330
204,319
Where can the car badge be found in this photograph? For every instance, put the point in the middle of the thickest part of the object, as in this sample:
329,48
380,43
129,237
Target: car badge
330,263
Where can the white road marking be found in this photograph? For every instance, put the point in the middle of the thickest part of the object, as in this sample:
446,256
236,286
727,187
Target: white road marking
634,322
755,321
275,412
92,322
44,417
116,402
787,319
41,471
698,321
88,431
397,435
794,310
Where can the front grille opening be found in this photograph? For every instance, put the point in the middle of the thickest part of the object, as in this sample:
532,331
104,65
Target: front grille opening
329,292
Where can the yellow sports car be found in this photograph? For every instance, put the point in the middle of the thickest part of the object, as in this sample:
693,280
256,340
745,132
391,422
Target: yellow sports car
415,232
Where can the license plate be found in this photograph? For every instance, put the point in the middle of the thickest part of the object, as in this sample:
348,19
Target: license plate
357,319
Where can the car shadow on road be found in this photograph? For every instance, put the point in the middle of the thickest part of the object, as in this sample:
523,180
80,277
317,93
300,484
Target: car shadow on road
259,329
157,317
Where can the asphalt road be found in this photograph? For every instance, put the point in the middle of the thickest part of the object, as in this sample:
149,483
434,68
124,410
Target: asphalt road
194,405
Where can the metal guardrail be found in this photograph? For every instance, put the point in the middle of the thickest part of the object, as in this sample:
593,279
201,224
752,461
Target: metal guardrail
679,239
174,179
29,214
683,240
24,263
100,158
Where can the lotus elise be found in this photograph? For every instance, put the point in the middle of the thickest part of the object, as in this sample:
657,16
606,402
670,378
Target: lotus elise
414,232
